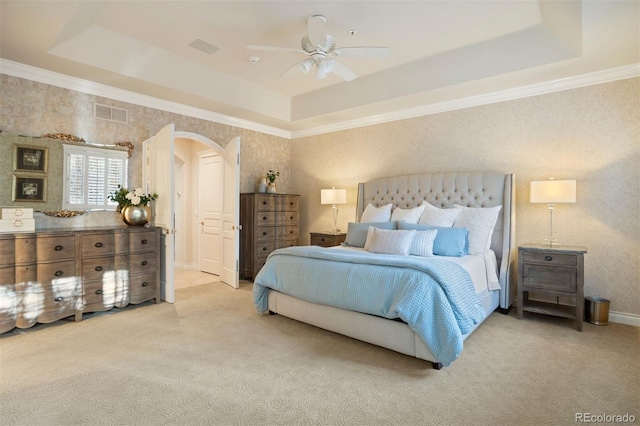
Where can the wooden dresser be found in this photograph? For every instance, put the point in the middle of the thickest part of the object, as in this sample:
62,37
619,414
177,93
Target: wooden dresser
269,222
48,275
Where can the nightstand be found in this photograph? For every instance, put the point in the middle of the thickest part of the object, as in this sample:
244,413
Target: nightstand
555,275
327,239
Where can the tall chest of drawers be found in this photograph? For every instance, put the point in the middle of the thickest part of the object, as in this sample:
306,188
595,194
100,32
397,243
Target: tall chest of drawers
48,275
269,222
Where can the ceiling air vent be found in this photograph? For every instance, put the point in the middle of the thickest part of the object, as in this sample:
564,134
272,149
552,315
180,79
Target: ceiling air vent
105,112
204,47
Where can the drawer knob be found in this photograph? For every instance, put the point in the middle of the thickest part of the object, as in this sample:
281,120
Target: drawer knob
264,218
291,217
98,268
143,263
144,241
322,239
264,249
58,299
144,284
58,273
264,233
99,291
264,203
98,244
58,248
548,258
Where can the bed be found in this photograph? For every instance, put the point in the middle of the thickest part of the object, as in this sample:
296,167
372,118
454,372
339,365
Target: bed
282,287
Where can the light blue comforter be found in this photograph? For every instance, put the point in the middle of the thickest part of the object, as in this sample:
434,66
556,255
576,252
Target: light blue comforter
435,298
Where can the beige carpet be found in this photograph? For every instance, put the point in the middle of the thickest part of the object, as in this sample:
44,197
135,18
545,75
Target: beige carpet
211,359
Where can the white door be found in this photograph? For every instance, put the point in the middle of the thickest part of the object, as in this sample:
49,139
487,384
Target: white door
231,214
211,183
159,179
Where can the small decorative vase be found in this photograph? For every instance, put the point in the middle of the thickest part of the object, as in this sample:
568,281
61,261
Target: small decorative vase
262,186
136,215
272,188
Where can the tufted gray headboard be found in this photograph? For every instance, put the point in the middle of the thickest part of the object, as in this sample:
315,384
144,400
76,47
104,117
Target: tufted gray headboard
445,189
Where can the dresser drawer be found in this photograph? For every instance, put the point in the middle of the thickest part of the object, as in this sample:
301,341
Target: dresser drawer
142,241
57,271
8,313
7,276
142,288
17,225
98,268
265,219
288,203
7,250
263,249
95,245
289,232
287,242
56,248
265,203
25,250
61,299
141,263
549,278
288,218
266,233
550,258
97,296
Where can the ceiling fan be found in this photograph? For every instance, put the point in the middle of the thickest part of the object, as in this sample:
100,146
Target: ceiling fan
321,50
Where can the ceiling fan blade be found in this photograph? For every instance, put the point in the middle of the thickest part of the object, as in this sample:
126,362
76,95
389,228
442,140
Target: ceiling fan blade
317,30
299,67
362,52
341,70
275,49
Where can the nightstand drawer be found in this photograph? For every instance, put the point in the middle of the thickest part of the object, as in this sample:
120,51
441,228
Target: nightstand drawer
550,258
549,278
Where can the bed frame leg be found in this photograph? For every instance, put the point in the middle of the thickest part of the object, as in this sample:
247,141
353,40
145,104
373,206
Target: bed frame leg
436,365
504,311
272,313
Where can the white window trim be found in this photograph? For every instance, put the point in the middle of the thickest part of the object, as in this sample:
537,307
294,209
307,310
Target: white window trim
93,151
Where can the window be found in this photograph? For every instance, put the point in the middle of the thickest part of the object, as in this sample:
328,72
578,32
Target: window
91,174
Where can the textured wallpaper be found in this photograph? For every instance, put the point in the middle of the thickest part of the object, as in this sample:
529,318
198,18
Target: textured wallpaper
591,134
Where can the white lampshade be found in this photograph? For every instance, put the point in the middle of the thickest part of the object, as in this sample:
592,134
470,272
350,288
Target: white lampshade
333,196
553,191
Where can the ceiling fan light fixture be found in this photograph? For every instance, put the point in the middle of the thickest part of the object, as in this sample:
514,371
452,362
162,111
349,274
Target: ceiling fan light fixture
321,70
306,65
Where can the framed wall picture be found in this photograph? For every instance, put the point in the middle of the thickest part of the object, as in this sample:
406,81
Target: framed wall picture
30,158
29,188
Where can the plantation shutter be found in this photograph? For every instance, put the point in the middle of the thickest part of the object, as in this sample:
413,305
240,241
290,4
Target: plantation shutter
91,174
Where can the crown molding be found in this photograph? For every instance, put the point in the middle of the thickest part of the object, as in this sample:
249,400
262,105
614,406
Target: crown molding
85,86
40,75
574,82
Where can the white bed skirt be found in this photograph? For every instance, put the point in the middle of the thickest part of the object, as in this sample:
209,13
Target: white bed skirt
390,334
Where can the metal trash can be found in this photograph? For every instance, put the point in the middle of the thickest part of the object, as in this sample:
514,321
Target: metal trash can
596,310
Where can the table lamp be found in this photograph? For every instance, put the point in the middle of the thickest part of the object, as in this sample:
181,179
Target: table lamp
333,196
552,191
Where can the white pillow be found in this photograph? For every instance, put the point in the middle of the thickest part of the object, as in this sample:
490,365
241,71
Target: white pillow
376,214
408,215
422,244
389,242
480,223
439,217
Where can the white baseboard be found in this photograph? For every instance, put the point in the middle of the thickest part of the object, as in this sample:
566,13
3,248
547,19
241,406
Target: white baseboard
624,318
186,266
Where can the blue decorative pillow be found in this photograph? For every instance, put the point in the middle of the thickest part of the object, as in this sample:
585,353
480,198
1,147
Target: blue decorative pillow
449,241
357,231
